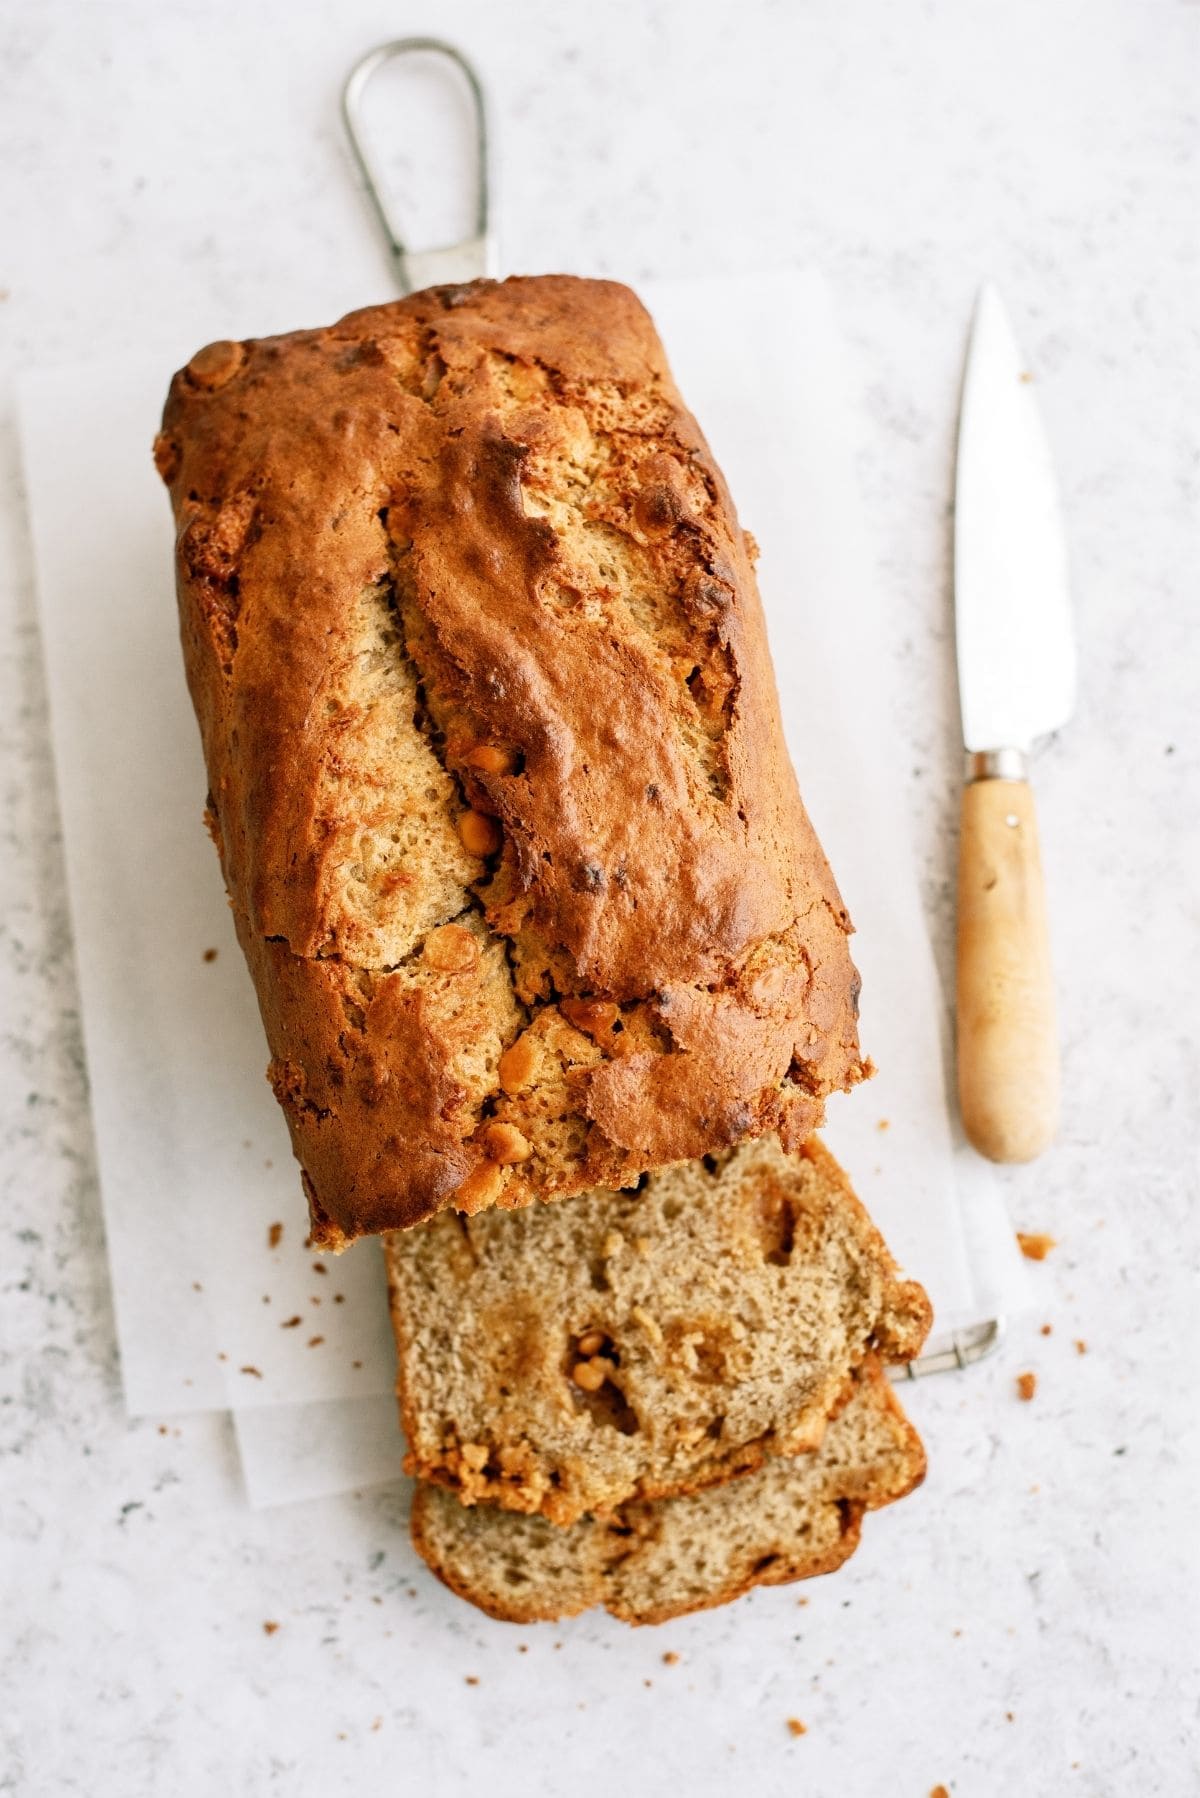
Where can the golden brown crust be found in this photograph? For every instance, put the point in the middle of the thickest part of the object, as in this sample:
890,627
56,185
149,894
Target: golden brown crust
509,470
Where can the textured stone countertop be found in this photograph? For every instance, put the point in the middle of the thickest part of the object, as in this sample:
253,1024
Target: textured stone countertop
1027,1623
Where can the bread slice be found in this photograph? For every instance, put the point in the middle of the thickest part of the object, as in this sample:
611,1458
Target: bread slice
496,768
641,1344
650,1562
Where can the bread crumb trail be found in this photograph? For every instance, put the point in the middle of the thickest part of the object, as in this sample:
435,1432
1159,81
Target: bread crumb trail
274,1236
269,1629
1026,1386
1035,1247
796,1728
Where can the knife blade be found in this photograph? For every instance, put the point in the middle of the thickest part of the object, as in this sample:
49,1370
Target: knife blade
1016,676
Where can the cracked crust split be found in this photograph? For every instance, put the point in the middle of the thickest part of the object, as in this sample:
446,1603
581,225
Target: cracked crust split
517,859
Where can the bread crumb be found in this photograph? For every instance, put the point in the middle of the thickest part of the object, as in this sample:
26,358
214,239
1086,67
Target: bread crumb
1026,375
1080,1346
290,1323
319,1267
1026,1386
356,1363
522,1648
1047,1329
315,1341
210,955
647,1682
795,1727
670,1659
162,1429
1010,1716
1035,1247
938,1792
255,1371
274,1236
269,1629
471,1679
339,1298
377,1724
884,1124
802,1602
196,1286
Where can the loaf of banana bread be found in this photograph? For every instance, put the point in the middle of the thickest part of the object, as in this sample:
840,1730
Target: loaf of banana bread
496,770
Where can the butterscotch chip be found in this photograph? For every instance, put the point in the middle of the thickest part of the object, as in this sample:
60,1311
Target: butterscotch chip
592,1342
490,758
517,1065
1035,1247
480,1188
589,1376
479,834
215,364
592,1016
451,950
1026,1386
506,1144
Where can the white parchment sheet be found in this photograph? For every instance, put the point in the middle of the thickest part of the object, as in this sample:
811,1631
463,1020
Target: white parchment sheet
195,1166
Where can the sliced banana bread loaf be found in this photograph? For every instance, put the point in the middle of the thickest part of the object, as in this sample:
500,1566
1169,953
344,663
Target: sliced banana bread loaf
650,1562
568,1357
497,774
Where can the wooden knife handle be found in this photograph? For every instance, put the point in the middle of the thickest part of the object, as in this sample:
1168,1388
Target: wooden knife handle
1008,1062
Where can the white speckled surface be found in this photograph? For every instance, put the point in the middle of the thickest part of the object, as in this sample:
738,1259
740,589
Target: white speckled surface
180,177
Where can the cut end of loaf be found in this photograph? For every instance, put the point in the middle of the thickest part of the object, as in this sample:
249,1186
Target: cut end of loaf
644,1343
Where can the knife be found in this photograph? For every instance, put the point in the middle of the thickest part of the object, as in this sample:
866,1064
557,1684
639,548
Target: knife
1016,681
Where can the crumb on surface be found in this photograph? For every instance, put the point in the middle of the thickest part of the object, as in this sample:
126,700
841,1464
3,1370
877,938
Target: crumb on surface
1034,1246
315,1341
290,1323
1026,1386
356,1363
1047,1329
319,1267
270,1627
802,1601
274,1236
162,1429
938,1792
472,1679
210,955
796,1728
1080,1346
196,1286
884,1124
255,1372
670,1659
339,1298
